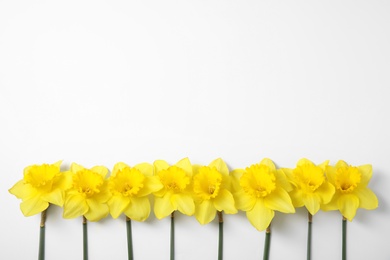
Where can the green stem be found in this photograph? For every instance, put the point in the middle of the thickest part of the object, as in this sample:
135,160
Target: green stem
129,239
220,240
344,241
172,236
41,252
85,239
309,223
267,243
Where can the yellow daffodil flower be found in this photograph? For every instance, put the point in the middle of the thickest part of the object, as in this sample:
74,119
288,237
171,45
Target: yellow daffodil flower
175,193
311,188
351,189
130,188
88,194
212,191
260,190
41,185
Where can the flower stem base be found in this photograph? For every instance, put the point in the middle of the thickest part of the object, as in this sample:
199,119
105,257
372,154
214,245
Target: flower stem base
309,224
344,239
85,239
41,252
220,238
172,251
129,239
267,243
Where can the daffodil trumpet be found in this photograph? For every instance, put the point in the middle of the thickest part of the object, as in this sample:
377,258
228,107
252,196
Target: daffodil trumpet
267,243
309,224
220,235
129,239
41,252
85,239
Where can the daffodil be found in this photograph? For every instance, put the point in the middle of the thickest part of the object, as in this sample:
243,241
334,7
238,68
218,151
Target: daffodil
311,188
212,191
88,194
40,186
351,189
260,190
175,193
129,188
212,187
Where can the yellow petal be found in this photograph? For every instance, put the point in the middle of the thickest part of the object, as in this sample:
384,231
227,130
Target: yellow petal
160,165
185,164
269,163
160,193
33,206
341,163
117,167
74,167
104,194
22,191
27,169
163,206
195,168
312,203
145,168
323,165
205,212
243,201
348,204
304,161
117,205
282,180
74,206
297,198
55,197
138,209
367,198
330,173
225,202
366,171
100,170
325,192
235,179
64,182
96,210
220,165
279,200
58,164
183,203
260,216
151,184
333,204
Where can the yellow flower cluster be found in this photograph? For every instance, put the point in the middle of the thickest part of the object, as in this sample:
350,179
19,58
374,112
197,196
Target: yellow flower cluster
259,190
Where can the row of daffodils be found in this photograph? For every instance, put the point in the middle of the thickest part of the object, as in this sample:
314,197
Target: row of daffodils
259,190
203,191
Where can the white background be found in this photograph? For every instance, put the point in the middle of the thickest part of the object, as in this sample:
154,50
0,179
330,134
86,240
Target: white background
97,82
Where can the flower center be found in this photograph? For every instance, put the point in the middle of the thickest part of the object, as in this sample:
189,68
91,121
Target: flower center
347,179
309,177
127,181
207,182
42,176
258,180
174,179
87,182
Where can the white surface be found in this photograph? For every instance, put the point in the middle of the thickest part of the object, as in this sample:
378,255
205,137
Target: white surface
97,82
